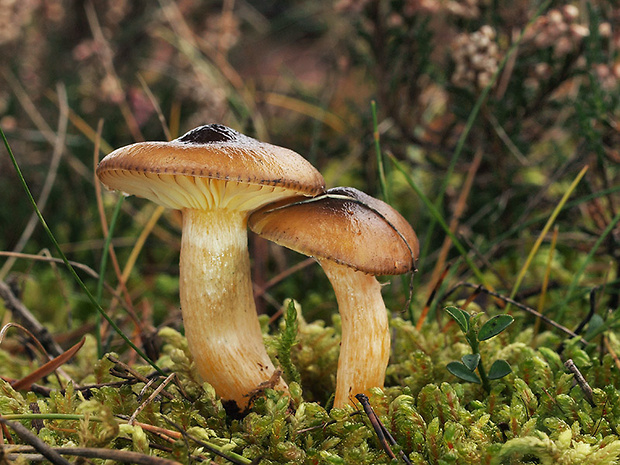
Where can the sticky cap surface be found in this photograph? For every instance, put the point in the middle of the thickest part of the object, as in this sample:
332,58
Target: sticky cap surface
345,226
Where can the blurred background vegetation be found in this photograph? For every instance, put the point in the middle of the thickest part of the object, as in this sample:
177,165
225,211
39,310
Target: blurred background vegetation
491,108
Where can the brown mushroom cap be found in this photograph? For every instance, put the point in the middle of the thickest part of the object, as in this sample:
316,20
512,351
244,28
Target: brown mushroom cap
210,166
346,226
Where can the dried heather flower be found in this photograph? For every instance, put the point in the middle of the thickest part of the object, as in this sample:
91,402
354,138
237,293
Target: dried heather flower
557,29
414,7
604,30
465,8
607,75
476,57
570,13
14,15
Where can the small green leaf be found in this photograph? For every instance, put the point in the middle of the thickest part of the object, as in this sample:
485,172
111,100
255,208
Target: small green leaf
494,326
471,361
459,370
460,316
499,369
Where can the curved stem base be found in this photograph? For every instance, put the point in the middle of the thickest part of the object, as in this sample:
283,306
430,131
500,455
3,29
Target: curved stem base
217,303
365,347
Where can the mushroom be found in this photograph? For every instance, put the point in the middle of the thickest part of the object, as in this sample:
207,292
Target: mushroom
354,237
216,176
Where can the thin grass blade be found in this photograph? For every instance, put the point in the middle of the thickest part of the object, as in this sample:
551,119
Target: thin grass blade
74,274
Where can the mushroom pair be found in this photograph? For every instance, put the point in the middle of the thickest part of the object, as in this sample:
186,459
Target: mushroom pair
217,177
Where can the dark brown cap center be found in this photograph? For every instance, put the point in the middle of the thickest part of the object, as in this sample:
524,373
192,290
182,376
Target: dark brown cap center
210,133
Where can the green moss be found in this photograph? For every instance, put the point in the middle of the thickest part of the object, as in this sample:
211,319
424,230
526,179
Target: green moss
536,414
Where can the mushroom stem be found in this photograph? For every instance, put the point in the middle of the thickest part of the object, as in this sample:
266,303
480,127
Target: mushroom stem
217,303
365,347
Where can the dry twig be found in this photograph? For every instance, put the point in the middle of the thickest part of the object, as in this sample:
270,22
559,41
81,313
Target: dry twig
151,397
132,372
382,432
581,381
119,456
520,306
30,438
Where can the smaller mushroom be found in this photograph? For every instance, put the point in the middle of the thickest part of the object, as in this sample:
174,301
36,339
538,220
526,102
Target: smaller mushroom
354,237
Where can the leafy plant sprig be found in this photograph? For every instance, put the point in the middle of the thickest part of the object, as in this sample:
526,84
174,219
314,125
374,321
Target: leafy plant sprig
466,368
288,338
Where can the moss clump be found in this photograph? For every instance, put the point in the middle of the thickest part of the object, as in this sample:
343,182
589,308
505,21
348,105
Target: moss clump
536,414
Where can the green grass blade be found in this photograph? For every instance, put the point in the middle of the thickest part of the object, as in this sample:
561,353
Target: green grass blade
539,218
49,416
473,115
102,270
544,232
380,163
571,288
71,269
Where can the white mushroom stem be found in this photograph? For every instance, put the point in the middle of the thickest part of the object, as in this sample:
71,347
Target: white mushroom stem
217,303
365,346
